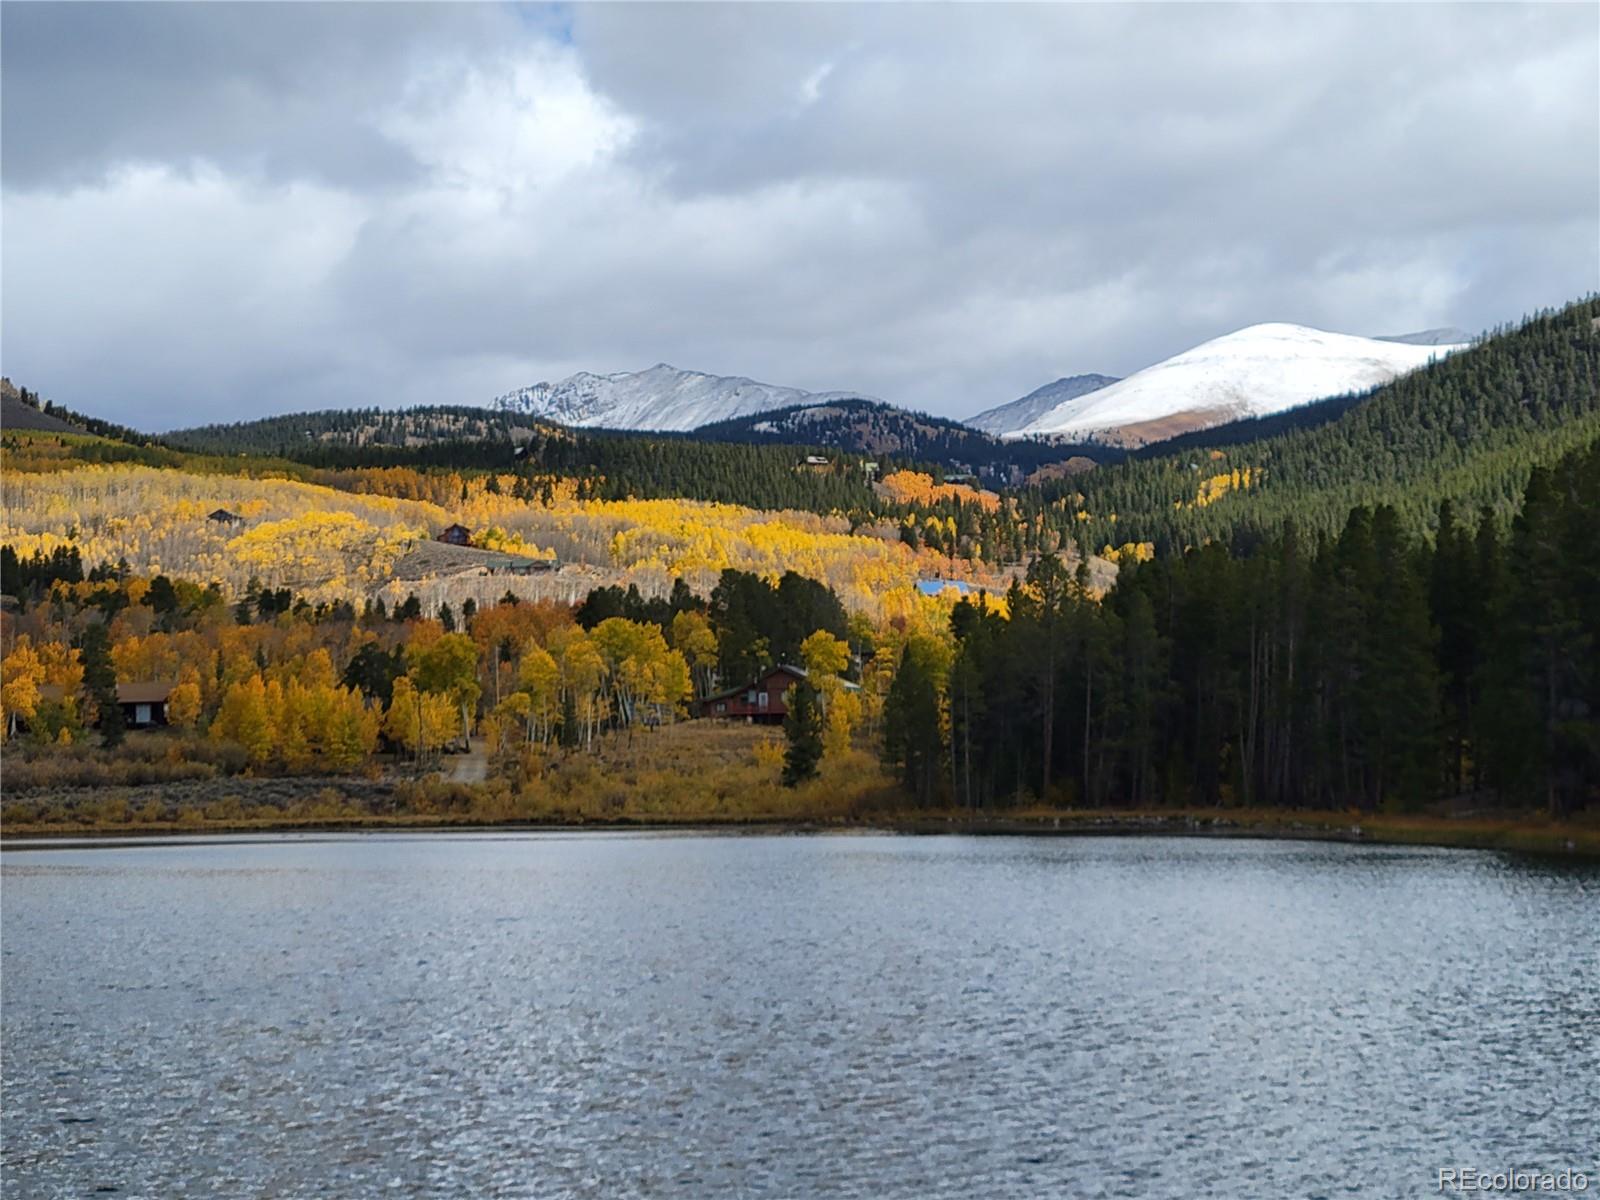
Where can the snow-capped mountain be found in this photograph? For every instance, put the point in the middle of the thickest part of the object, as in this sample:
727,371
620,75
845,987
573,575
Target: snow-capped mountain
1018,414
661,398
1449,335
1254,372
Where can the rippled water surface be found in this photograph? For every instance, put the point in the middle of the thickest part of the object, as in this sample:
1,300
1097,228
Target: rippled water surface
619,1015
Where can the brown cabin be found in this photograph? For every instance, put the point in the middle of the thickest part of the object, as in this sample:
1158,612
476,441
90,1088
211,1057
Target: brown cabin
760,701
455,535
143,705
223,517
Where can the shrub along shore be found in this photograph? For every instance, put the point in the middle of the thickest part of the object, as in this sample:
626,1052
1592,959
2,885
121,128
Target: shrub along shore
438,807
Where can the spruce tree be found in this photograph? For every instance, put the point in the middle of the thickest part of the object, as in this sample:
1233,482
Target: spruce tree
802,726
100,681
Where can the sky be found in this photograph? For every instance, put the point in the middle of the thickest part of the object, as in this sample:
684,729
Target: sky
220,211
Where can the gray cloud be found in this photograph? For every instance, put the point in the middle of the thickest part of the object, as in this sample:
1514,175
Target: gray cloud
217,210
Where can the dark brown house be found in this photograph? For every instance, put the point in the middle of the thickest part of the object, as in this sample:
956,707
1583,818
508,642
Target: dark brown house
455,535
760,701
223,517
143,705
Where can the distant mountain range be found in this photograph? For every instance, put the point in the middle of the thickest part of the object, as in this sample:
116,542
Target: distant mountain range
1254,372
1019,414
661,398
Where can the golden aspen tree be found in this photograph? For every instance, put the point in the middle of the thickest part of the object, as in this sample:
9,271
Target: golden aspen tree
245,718
539,680
21,673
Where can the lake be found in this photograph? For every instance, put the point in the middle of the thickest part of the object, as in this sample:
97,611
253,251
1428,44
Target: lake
788,1016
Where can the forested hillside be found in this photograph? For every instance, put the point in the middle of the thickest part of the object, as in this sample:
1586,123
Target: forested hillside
1469,429
1373,669
299,435
607,466
877,430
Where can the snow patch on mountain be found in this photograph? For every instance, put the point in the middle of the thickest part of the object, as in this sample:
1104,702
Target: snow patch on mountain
661,398
1253,372
1018,414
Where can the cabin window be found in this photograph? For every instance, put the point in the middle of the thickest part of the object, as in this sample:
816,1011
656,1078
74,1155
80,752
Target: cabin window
141,714
749,697
721,708
762,703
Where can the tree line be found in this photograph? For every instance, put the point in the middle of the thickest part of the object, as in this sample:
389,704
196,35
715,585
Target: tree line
1365,668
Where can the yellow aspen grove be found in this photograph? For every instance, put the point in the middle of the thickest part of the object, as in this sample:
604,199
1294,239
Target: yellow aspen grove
823,655
20,676
183,705
693,637
515,712
539,683
583,674
421,722
402,722
448,666
244,718
350,732
668,686
842,716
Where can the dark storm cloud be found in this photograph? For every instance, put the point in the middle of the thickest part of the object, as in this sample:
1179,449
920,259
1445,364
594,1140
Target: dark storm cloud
248,208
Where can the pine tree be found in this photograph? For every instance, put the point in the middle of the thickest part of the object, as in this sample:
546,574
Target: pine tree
100,681
802,726
912,733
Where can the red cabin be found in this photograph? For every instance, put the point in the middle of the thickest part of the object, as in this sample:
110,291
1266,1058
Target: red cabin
760,701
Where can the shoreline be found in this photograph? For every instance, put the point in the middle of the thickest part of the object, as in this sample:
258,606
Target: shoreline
1567,841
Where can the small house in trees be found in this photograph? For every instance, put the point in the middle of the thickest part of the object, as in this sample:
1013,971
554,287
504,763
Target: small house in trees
223,517
143,705
455,535
761,701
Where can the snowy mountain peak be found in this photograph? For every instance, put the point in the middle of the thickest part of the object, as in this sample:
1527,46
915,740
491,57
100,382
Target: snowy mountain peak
1251,372
1007,418
658,398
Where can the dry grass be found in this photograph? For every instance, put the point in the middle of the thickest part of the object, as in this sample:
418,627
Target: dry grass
143,758
693,772
696,771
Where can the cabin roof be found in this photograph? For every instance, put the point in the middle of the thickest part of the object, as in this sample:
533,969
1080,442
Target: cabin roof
150,691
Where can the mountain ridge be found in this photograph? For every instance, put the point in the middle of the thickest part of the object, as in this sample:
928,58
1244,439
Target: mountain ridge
1016,414
659,399
1255,371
